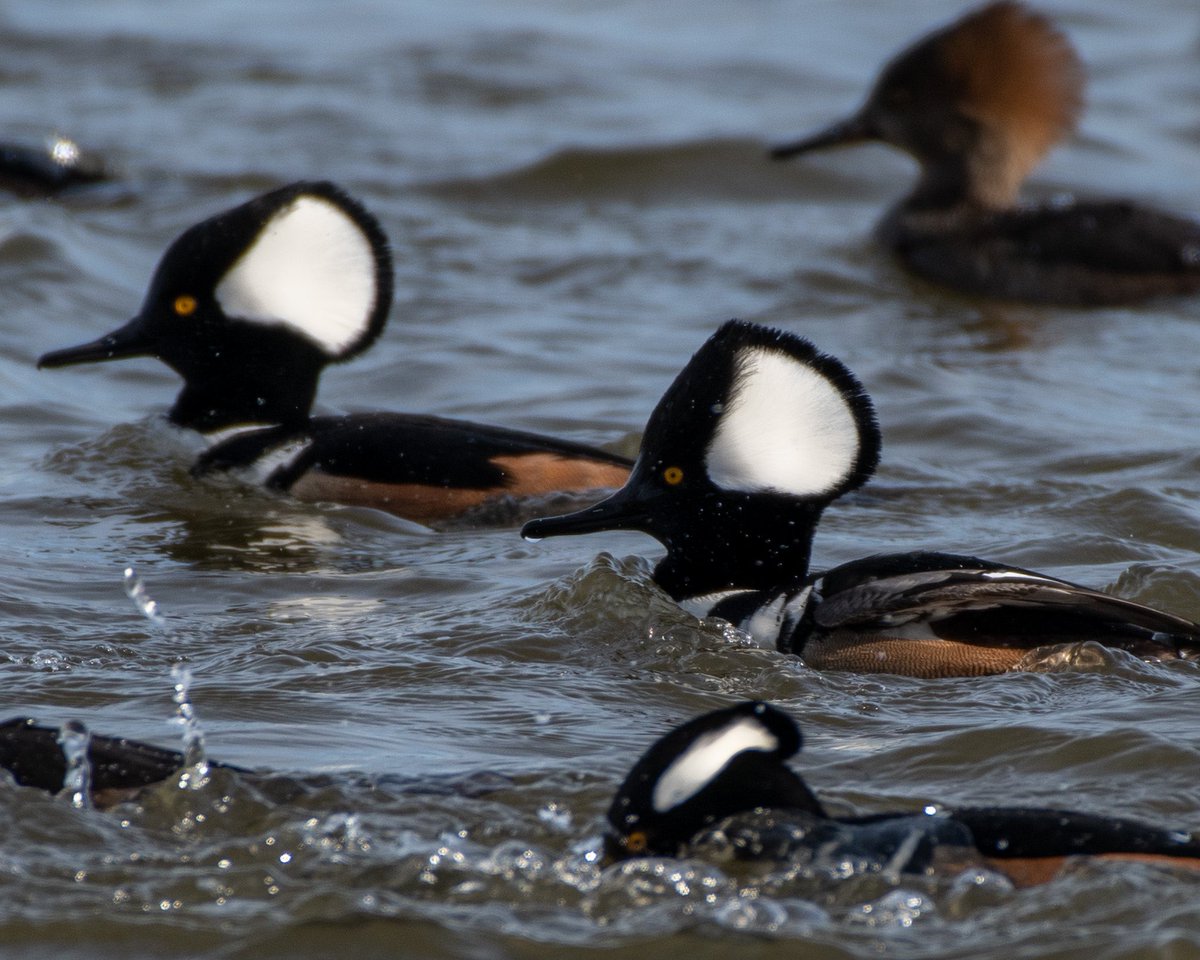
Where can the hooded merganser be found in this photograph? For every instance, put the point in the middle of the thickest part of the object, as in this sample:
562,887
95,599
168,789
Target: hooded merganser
251,305
756,436
118,768
723,777
112,770
977,104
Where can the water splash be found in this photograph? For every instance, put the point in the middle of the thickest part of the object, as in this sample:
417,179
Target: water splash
195,758
74,739
893,869
135,589
896,910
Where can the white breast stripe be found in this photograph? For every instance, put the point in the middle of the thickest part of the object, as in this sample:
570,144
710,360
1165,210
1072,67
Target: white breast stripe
786,429
794,611
275,459
763,624
707,757
221,434
701,606
312,269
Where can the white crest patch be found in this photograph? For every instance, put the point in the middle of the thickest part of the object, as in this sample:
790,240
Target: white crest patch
705,758
311,268
786,429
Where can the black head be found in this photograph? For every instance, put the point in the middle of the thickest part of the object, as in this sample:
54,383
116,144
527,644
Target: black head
726,762
756,436
249,306
977,103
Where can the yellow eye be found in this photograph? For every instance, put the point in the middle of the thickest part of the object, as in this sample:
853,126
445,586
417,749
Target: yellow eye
185,305
636,842
673,476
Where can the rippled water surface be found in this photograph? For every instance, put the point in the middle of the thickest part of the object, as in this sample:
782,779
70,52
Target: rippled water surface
577,195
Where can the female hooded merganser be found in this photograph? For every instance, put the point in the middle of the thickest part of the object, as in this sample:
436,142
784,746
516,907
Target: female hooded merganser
756,436
977,104
251,305
723,776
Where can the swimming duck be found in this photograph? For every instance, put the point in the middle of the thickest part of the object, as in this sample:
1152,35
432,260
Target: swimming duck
757,435
249,307
978,104
723,777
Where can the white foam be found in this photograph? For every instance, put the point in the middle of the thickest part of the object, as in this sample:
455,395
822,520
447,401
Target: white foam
786,429
312,269
705,758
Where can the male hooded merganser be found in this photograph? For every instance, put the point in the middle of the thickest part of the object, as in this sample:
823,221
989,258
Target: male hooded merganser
723,776
756,436
977,104
251,305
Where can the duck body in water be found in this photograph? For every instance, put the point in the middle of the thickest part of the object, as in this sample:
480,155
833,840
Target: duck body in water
251,305
978,104
758,434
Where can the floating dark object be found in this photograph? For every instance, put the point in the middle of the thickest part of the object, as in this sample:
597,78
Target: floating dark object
49,169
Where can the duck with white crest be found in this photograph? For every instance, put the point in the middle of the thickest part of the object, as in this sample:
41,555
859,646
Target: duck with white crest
251,305
756,436
721,782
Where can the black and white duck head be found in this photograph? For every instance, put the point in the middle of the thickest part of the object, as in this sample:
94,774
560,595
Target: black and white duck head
722,763
756,436
250,305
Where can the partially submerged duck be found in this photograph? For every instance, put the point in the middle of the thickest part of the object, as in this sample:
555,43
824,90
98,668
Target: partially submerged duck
117,768
47,169
724,777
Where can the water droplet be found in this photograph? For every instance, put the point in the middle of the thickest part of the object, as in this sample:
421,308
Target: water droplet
136,591
193,737
74,738
556,816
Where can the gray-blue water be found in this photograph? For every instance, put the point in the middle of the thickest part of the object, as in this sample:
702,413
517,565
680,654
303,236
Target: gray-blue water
577,195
